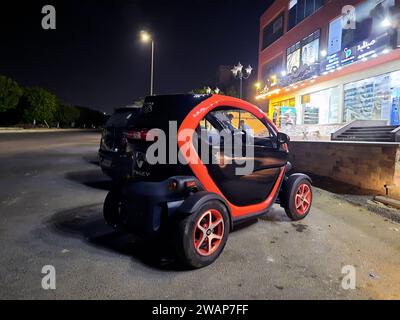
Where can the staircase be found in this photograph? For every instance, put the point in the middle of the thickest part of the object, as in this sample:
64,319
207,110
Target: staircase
367,131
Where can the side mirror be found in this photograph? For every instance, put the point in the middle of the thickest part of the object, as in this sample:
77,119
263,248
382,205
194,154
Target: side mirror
282,138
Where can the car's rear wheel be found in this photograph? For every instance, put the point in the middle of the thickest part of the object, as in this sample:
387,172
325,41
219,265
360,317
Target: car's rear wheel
112,208
299,200
202,236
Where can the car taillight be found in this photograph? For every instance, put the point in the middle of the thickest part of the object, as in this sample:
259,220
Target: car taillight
143,135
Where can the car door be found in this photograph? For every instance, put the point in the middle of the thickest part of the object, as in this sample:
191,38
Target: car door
246,177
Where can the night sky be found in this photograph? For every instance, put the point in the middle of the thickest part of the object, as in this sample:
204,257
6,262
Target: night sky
94,58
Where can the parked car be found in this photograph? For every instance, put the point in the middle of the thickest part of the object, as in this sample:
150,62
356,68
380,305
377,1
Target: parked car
198,203
114,159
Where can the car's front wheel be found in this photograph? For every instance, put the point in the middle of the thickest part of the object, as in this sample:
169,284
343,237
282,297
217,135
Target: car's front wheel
299,199
202,236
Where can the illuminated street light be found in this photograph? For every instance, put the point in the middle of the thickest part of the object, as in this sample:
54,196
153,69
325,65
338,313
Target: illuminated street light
249,69
386,23
146,38
324,53
238,73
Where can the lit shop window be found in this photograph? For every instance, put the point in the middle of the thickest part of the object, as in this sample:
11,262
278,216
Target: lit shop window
284,113
321,107
372,99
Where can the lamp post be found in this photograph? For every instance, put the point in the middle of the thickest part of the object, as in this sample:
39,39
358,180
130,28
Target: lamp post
146,37
241,74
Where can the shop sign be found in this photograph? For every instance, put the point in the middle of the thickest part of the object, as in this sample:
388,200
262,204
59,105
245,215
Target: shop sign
365,49
369,37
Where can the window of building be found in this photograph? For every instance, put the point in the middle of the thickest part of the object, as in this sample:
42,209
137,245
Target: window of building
301,9
303,52
310,49
273,67
273,31
293,57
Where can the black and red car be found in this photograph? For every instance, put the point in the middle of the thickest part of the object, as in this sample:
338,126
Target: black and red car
113,158
198,202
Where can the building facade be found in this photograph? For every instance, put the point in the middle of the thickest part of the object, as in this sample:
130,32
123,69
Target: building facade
323,63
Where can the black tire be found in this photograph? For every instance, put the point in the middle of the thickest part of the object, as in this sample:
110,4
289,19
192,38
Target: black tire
298,203
112,208
186,236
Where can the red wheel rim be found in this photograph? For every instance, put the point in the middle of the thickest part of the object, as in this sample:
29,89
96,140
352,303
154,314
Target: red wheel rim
303,198
208,232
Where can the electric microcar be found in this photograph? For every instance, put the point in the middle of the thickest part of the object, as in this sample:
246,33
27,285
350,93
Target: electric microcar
200,187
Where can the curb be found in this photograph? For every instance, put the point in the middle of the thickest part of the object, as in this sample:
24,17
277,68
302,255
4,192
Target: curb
22,130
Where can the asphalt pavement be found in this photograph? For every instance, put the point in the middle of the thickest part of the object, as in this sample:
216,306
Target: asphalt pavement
51,195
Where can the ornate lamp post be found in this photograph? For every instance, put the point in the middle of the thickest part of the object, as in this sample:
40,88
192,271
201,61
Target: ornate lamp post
240,73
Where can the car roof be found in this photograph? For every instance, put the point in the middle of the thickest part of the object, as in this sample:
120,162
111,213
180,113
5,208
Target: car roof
172,107
127,108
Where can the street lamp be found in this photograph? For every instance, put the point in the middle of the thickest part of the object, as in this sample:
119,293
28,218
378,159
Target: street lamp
146,38
241,74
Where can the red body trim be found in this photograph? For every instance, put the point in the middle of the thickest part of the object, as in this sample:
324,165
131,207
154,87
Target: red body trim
199,169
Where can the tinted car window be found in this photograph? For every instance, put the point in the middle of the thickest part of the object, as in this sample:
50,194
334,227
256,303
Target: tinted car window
157,111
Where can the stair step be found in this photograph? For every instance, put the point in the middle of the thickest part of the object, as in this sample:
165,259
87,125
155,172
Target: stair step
369,130
369,133
361,138
376,127
365,139
361,134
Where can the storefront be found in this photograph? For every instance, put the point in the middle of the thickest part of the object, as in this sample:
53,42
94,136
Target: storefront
354,75
367,98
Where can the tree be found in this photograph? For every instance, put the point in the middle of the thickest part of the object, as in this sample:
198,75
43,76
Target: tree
89,118
10,93
200,91
38,104
139,102
66,114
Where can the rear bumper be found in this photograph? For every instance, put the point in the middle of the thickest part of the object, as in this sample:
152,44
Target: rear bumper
149,207
118,166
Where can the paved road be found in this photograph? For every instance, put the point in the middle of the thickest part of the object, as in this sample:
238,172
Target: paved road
51,193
